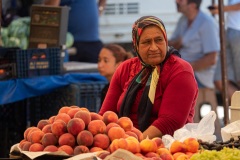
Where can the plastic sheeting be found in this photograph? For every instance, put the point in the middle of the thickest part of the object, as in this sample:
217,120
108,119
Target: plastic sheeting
18,89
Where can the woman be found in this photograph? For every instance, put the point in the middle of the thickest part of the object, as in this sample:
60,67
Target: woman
110,56
157,89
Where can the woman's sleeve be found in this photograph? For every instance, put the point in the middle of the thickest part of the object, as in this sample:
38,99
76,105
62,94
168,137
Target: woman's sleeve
178,103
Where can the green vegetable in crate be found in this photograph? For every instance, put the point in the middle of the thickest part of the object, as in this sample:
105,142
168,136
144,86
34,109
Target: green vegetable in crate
19,27
16,34
69,40
4,32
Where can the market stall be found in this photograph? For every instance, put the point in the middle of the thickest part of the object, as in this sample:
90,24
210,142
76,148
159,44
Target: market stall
83,133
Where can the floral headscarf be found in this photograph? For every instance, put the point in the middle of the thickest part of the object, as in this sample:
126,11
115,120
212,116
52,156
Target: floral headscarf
138,27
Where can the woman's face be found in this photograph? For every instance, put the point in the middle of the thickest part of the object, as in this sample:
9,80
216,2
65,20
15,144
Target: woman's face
152,45
107,63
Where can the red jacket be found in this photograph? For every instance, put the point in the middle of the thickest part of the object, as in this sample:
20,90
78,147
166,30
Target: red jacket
175,97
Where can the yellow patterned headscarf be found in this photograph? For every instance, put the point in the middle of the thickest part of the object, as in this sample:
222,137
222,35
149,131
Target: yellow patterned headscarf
138,27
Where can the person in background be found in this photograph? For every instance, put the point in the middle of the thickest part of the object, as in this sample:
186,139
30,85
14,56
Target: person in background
110,57
157,89
196,35
84,25
232,47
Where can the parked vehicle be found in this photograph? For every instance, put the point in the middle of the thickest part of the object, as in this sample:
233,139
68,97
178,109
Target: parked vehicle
119,15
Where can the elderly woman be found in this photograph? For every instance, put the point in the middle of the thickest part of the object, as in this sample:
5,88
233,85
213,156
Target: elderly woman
157,89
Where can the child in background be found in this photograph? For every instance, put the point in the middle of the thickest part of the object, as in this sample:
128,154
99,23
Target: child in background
111,55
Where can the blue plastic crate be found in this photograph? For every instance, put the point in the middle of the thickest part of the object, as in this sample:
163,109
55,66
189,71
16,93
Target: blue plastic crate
89,95
38,62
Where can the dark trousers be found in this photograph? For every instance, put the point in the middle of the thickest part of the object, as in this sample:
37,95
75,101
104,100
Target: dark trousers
87,51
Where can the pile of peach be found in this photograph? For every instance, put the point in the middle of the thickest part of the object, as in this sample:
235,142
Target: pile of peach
76,130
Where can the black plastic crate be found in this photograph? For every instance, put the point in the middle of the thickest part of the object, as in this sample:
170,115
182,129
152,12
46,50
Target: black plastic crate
12,125
37,62
7,63
89,95
45,106
7,71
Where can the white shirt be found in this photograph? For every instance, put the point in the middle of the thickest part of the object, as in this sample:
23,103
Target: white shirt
233,17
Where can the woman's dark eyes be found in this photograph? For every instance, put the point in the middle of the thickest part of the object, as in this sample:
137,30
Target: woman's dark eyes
156,40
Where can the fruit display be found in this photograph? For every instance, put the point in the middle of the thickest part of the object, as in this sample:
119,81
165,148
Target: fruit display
75,130
219,145
224,154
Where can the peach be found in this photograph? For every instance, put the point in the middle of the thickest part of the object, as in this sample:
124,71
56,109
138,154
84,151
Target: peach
95,149
148,145
192,144
73,111
75,126
101,140
85,138
175,155
159,142
64,109
73,106
67,149
80,149
21,143
177,146
95,116
62,116
126,123
161,151
97,126
58,128
36,136
110,116
47,128
84,115
133,145
151,154
84,109
49,139
116,133
138,133
36,147
67,139
118,143
182,157
189,154
51,119
140,155
26,145
50,148
132,134
112,124
28,131
42,123
166,157
103,154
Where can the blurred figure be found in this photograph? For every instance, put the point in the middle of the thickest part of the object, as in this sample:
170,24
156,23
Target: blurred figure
109,59
232,47
83,23
197,38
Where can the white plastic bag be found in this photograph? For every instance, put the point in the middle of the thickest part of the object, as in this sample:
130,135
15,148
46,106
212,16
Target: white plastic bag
203,130
232,130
